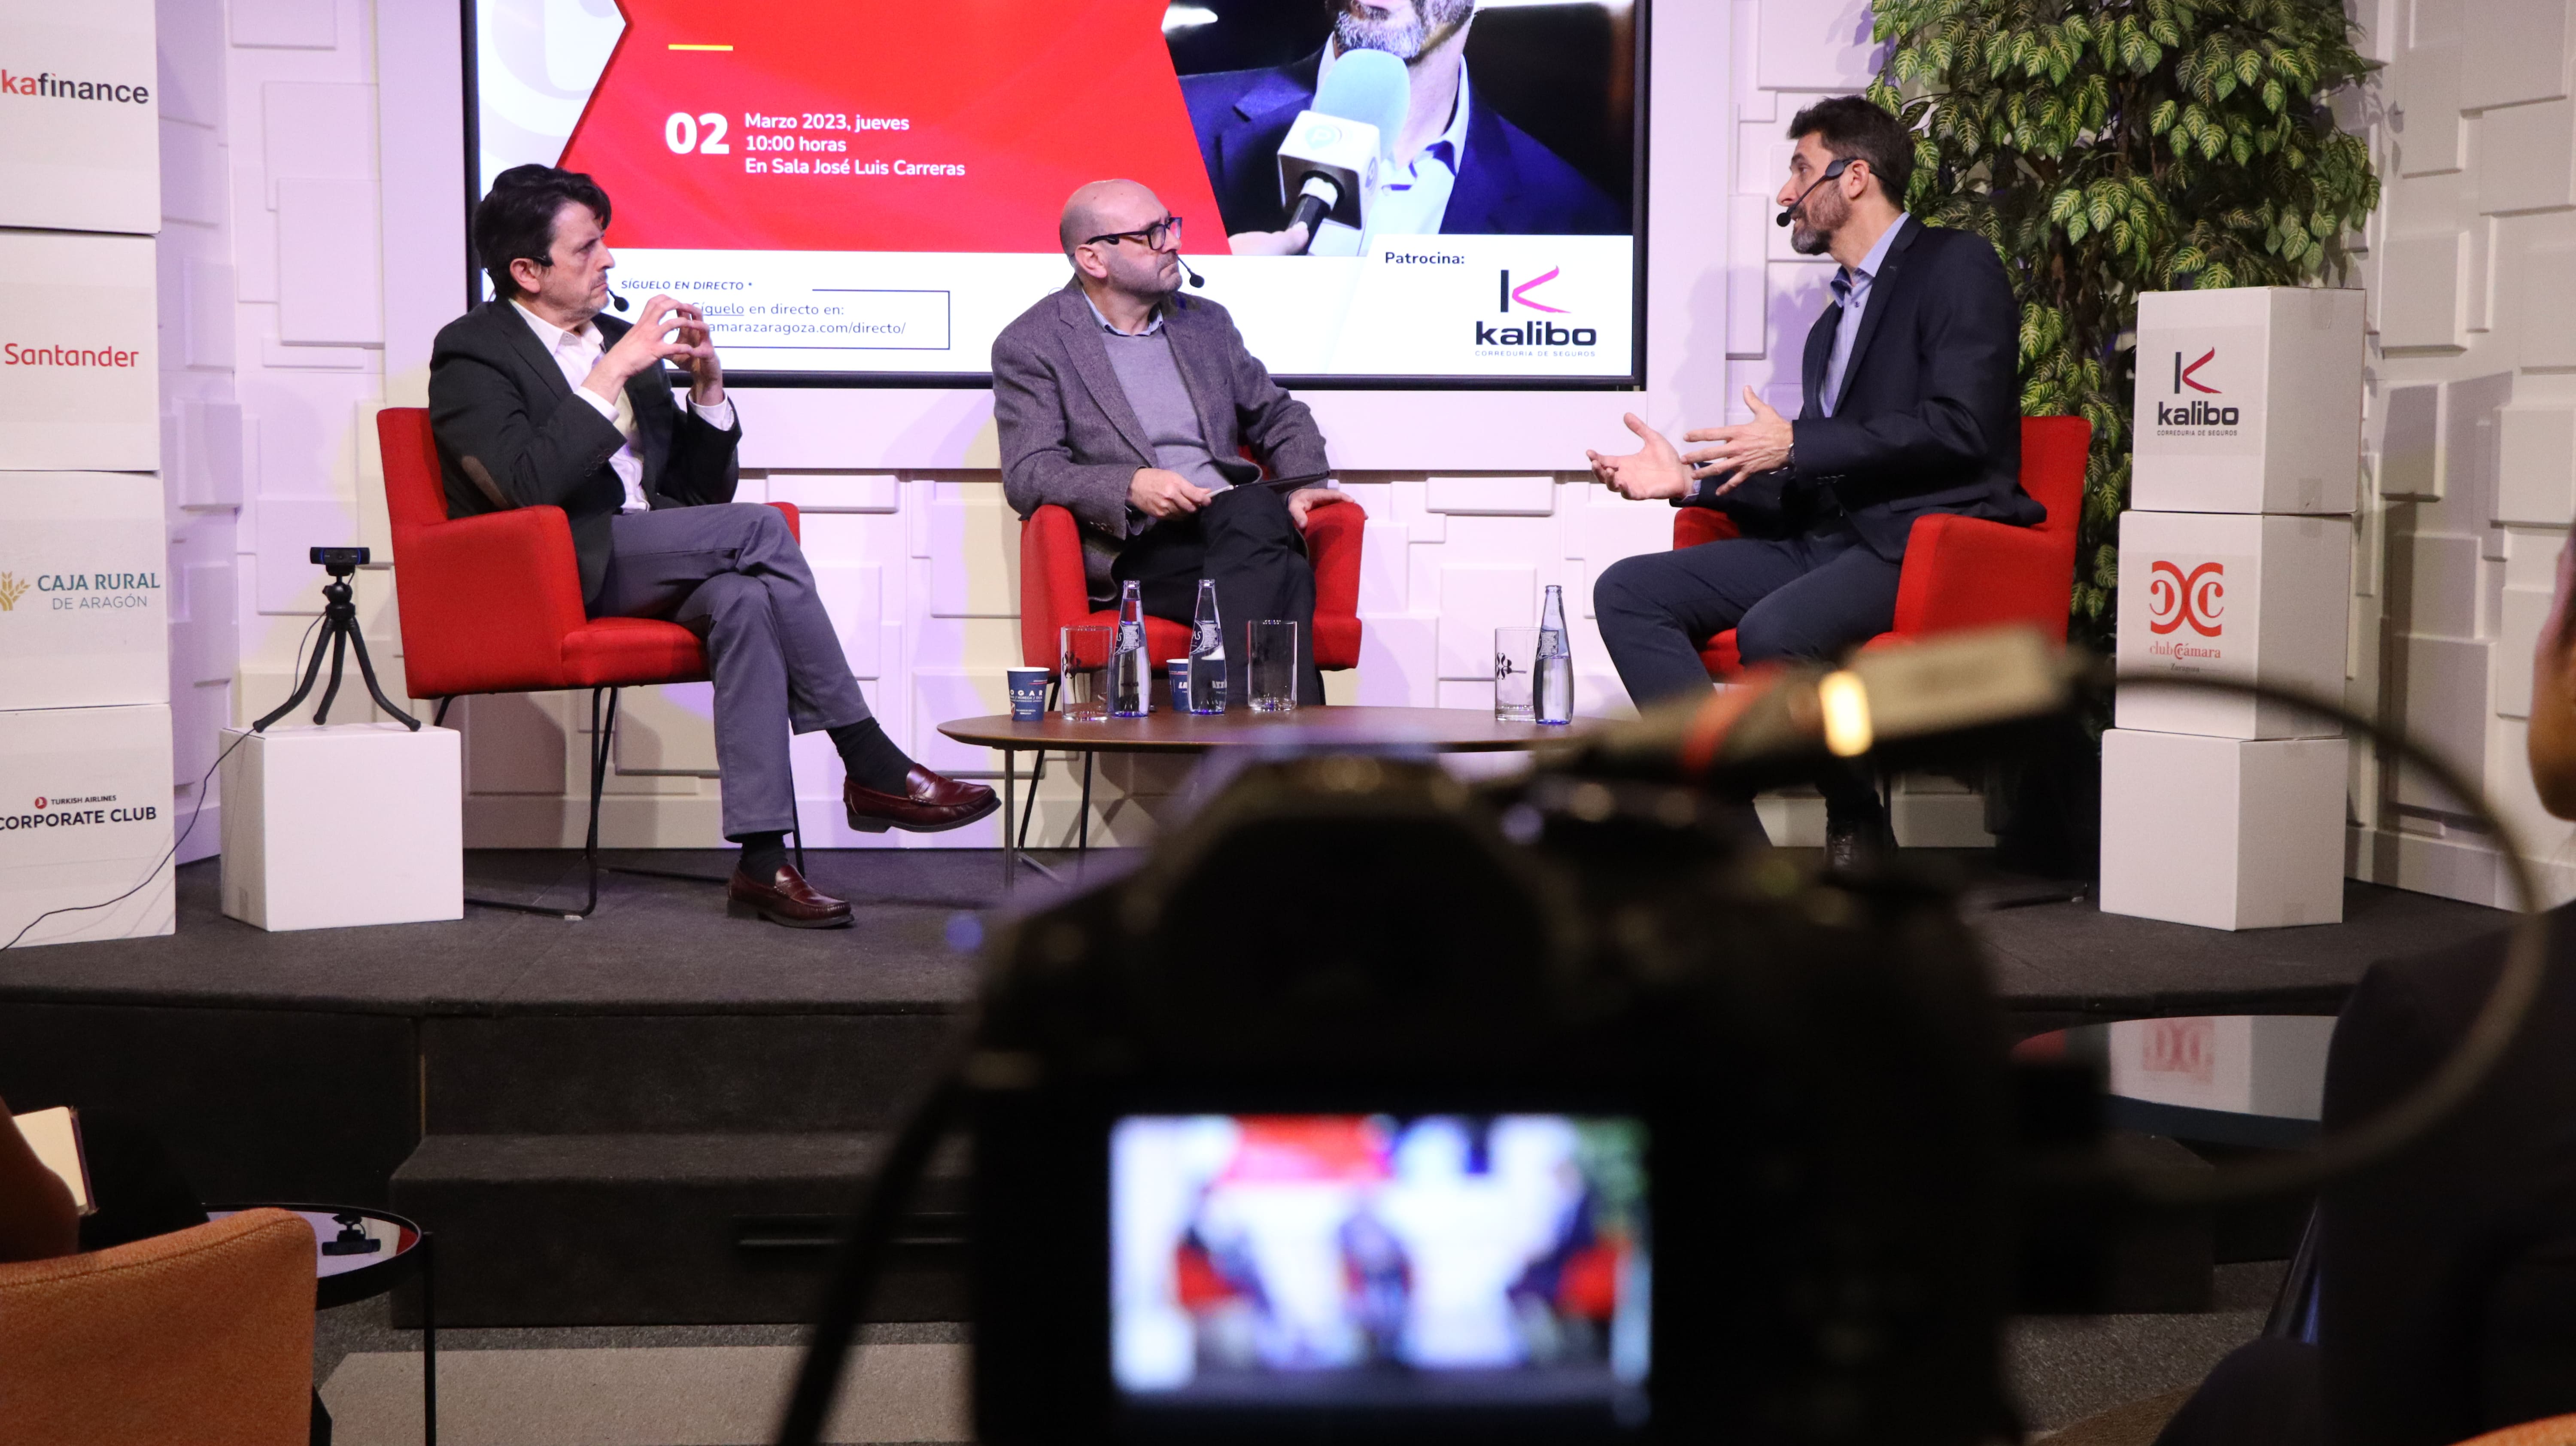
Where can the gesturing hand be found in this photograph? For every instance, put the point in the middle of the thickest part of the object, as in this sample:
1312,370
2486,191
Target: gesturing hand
706,374
1160,493
1306,499
646,344
1743,450
1652,471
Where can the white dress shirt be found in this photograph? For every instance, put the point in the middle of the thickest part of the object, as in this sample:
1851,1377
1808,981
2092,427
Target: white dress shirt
1408,199
576,352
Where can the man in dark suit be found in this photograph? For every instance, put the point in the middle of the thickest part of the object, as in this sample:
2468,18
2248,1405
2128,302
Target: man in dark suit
1912,408
1129,405
1459,168
539,401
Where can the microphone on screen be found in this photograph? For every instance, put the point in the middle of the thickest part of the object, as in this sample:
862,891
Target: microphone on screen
1335,145
1836,169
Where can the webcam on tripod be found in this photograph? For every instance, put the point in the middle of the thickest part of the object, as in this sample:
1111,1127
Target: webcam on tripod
339,635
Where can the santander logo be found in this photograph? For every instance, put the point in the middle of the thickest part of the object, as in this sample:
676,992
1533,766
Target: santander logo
2176,598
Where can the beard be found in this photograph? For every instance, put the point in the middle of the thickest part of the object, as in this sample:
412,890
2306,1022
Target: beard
1404,34
1829,210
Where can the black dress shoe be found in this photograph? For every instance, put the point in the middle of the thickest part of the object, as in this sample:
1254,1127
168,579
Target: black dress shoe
929,803
786,899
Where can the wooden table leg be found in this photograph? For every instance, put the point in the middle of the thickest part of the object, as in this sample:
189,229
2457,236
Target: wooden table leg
1010,819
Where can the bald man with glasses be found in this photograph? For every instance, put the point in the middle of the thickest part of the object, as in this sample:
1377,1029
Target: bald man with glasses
1131,405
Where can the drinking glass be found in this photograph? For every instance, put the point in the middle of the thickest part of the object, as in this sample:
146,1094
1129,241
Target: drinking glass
1270,658
1515,671
1085,657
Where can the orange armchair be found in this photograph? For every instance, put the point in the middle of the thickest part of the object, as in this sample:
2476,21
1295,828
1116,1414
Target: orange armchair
493,604
1054,596
201,1337
1964,572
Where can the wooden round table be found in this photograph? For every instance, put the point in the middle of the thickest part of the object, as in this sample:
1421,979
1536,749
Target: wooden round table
1430,730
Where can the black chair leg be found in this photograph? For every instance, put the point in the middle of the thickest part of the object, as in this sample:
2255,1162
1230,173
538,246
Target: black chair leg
439,718
1082,836
603,728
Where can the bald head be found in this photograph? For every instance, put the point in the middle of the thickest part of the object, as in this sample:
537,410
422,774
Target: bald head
1099,208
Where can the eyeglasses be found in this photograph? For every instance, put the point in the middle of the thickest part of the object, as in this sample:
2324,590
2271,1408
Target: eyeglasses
1151,237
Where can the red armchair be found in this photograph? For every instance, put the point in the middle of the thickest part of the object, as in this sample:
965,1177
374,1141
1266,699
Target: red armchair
492,604
1054,596
1964,572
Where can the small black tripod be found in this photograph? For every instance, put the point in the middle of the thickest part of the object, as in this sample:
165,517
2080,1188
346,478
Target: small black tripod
339,630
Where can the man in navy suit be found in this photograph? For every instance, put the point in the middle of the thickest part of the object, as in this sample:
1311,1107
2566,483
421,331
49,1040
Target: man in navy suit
1459,167
1912,407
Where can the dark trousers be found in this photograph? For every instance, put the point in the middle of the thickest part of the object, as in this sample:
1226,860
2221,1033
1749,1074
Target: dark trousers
2267,1392
1810,596
1247,542
734,575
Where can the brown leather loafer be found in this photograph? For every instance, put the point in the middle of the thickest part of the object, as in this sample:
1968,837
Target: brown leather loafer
786,899
929,803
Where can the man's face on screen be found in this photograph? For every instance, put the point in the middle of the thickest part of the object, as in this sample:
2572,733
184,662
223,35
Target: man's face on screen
577,284
1811,230
1401,28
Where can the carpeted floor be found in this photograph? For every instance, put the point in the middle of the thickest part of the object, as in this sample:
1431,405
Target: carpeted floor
715,1386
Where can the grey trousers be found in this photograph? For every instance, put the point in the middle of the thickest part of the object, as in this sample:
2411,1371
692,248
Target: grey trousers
734,575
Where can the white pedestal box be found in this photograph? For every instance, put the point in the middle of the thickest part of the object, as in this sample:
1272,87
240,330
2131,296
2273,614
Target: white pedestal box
2259,599
355,823
81,351
2244,1064
85,819
2249,400
2225,833
84,601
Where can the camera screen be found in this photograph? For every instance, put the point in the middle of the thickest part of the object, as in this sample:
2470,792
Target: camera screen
1378,1260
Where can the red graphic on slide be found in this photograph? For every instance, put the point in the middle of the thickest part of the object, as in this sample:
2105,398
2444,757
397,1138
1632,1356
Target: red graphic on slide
869,126
1521,292
2185,377
2175,598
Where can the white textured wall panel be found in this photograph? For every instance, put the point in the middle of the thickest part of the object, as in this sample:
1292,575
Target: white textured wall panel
2512,50
2527,157
327,252
2420,302
2537,464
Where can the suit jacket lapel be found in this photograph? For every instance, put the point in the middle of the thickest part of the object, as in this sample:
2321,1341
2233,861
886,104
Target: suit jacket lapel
522,340
1091,363
1487,179
1820,351
1882,291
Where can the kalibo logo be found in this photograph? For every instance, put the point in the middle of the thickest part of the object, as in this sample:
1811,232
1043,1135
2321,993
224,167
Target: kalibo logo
11,589
2197,598
1532,333
2194,412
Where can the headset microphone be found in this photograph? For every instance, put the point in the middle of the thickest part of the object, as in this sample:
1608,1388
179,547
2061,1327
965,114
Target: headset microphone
1836,169
1196,280
617,301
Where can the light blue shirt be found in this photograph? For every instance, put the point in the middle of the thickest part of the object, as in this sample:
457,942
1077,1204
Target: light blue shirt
1851,291
1410,199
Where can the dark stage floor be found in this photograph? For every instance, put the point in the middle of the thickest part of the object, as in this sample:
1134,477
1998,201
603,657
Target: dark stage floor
654,1116
665,945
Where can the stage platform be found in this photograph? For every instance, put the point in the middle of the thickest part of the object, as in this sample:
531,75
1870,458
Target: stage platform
652,1116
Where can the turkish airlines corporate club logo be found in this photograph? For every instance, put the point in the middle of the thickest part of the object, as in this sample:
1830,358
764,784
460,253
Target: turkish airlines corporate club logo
2182,596
83,812
2192,411
1532,333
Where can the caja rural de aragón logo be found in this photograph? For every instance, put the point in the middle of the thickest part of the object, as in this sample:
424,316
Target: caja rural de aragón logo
82,591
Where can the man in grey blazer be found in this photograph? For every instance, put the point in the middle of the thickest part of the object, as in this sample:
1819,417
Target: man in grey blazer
1131,406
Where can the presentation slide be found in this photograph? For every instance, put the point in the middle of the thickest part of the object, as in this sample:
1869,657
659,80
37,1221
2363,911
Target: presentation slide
859,190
